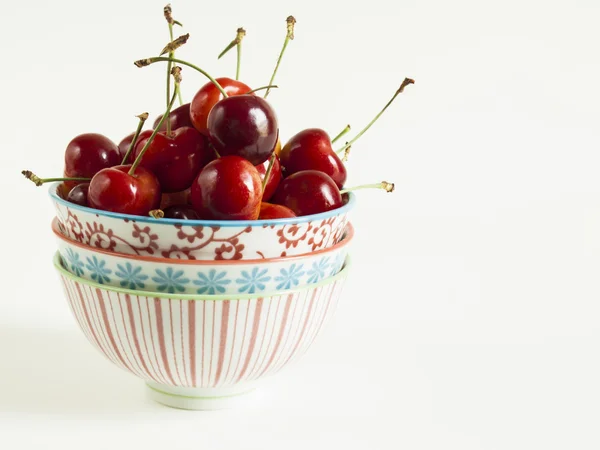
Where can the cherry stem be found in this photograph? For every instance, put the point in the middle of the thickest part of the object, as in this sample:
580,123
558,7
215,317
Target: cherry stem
239,60
343,132
271,86
138,160
405,83
237,42
143,117
39,181
346,154
147,61
288,37
388,187
157,213
268,172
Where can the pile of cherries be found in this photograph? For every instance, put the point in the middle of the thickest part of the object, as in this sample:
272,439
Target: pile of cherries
218,157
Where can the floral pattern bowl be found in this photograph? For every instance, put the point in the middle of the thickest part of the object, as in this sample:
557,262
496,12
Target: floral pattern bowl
201,239
199,351
172,276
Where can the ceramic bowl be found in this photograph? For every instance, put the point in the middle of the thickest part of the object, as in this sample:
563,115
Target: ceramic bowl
201,239
152,274
200,352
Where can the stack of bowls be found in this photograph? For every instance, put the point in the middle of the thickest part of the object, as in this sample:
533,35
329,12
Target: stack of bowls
201,310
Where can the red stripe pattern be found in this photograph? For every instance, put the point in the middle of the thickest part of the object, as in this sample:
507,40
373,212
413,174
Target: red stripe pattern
200,343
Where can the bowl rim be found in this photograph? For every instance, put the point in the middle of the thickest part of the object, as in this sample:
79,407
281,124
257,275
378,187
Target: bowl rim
343,273
52,191
344,242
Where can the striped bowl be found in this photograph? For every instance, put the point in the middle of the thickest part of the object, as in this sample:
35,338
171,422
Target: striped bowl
200,351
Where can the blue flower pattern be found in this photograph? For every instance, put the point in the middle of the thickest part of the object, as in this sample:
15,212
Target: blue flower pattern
132,278
317,272
213,283
170,281
99,273
253,281
337,264
289,278
76,264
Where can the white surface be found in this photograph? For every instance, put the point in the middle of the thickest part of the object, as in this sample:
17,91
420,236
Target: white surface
471,318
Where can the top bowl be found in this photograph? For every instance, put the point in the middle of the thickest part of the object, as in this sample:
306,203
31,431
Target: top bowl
200,239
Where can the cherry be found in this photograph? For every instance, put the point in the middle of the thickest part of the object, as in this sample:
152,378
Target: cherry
274,178
126,142
115,190
175,198
228,188
308,192
272,211
178,118
208,96
79,194
176,159
183,212
244,125
311,150
87,154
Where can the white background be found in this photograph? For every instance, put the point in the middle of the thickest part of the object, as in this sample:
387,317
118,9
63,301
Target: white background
471,318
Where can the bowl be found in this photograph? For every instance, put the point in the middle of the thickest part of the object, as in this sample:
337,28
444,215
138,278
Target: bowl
200,351
201,239
149,273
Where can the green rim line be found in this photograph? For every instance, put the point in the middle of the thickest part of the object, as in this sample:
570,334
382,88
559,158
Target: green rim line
190,397
198,297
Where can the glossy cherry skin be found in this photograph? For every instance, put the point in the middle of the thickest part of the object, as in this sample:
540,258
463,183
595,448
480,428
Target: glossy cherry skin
272,211
208,96
87,154
115,190
126,142
308,192
79,194
183,212
311,150
274,178
179,117
244,125
176,159
228,188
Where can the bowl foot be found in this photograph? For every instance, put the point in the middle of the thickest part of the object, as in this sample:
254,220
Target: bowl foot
199,399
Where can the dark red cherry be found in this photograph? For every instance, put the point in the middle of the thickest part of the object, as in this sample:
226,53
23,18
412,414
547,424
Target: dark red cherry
308,192
272,211
115,190
175,198
179,117
274,178
311,150
208,96
87,154
79,194
228,188
126,142
176,159
244,125
183,212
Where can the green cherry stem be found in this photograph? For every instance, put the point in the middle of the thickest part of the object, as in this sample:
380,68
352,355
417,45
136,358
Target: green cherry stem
343,132
271,86
288,37
147,61
268,171
405,83
388,187
237,42
143,117
167,11
39,181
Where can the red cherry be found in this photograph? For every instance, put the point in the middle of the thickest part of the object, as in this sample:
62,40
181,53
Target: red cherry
308,192
179,117
228,188
115,190
87,154
244,125
184,212
311,150
274,178
272,211
175,198
208,96
176,159
79,194
126,142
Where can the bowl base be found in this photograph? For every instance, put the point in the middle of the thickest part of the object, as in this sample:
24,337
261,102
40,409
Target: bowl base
199,399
